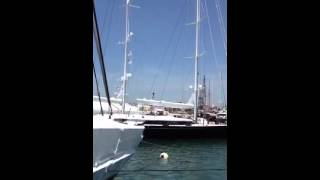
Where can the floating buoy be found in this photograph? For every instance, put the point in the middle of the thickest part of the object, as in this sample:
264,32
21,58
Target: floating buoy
164,155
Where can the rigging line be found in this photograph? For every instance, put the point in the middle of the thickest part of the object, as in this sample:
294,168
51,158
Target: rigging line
184,83
100,81
105,38
222,86
185,67
211,39
203,61
98,92
138,69
104,19
212,42
220,15
167,48
106,16
222,22
222,29
98,42
205,43
172,59
186,79
174,55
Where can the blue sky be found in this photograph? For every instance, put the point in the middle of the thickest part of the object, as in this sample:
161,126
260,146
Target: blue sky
160,43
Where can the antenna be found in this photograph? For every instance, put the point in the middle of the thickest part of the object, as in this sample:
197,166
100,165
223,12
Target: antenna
153,95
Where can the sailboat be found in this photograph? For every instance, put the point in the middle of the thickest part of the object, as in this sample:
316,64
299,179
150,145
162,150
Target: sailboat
113,142
125,112
169,125
119,102
193,101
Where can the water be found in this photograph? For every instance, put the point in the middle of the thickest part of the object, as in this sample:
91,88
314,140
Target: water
189,159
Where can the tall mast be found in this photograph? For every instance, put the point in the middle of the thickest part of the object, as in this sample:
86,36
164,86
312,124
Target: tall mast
124,85
209,98
195,112
222,88
204,91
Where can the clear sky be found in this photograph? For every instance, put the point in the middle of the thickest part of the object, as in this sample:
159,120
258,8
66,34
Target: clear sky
160,45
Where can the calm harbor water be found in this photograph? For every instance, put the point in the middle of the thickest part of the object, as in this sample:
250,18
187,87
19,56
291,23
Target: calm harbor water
188,159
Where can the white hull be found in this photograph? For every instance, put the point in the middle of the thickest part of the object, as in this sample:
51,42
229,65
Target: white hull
110,168
142,117
113,144
174,121
116,107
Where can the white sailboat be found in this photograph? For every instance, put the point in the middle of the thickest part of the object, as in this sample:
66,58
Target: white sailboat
119,102
193,101
125,112
113,142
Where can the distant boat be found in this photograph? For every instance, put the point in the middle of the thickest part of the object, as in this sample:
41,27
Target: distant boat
222,116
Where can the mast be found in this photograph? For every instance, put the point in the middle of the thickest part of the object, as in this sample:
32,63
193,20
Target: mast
124,85
209,98
195,112
224,97
204,91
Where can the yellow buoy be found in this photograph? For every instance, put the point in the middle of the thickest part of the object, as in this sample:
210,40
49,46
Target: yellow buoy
164,155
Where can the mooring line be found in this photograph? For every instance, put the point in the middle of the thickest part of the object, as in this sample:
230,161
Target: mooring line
164,146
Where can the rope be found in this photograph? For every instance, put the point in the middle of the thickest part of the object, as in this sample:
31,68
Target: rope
166,50
98,42
185,69
98,92
222,29
171,62
211,37
186,79
104,19
212,44
108,32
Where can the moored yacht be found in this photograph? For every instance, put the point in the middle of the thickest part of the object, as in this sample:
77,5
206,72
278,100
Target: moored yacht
113,142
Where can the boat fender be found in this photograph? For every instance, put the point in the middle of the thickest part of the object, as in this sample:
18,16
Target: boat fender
164,155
